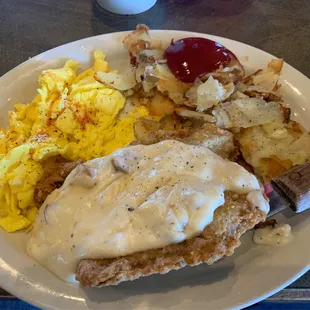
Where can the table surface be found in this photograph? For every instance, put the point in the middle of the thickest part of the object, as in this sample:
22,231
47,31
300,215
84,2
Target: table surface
280,27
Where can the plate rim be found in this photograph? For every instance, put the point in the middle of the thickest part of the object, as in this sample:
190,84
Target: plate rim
14,290
151,31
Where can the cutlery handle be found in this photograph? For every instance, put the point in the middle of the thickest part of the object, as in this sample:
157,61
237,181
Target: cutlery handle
294,185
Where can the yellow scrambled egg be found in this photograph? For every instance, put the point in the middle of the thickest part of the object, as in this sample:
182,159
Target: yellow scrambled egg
74,116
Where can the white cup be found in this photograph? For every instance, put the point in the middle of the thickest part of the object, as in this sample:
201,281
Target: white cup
126,7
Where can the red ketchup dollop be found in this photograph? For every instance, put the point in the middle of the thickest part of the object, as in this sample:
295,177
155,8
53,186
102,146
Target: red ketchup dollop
190,58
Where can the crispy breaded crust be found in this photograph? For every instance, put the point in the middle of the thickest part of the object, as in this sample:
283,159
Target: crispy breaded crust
219,239
55,172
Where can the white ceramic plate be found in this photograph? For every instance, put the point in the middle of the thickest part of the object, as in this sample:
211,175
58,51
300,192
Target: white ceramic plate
252,274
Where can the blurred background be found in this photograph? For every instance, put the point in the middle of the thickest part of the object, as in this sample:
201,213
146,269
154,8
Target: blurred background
280,27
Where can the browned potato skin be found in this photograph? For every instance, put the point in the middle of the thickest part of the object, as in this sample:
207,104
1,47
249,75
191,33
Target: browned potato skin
158,105
276,65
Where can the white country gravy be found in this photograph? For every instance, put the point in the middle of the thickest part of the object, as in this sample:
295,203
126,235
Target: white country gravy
135,199
279,235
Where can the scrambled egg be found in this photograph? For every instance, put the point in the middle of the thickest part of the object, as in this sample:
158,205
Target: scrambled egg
74,116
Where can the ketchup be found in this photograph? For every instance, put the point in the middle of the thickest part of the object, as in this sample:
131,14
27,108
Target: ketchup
190,58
